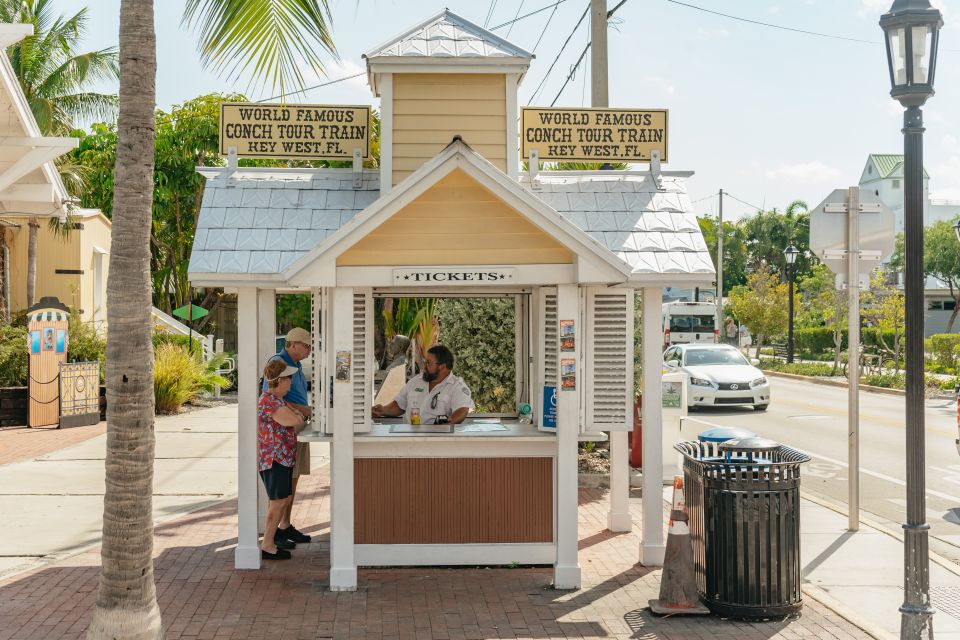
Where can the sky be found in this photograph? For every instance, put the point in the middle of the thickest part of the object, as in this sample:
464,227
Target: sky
767,114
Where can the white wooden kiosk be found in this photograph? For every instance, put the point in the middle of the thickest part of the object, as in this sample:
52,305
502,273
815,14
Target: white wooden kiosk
448,213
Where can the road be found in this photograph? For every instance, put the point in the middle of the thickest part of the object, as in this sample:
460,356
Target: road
813,418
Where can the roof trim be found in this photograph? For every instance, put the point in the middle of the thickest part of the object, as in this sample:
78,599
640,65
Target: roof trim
458,155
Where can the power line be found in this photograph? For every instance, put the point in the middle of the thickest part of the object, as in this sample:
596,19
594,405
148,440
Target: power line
712,195
727,193
514,18
532,13
493,4
316,86
555,60
546,26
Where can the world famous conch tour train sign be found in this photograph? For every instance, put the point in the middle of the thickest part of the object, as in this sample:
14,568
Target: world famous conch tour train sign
594,135
304,131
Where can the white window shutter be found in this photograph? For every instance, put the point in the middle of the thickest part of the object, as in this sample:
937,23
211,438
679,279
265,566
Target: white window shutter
362,359
320,381
546,326
609,359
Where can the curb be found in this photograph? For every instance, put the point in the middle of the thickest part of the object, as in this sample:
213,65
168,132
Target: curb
819,595
841,383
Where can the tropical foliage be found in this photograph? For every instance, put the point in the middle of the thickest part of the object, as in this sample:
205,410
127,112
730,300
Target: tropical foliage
55,78
13,355
179,376
761,305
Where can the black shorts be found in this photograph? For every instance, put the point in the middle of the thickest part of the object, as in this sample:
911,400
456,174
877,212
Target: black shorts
278,481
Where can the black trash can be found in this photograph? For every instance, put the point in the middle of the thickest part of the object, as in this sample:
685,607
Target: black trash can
743,501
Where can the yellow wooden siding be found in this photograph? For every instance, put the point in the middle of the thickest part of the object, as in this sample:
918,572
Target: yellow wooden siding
430,109
52,254
96,233
456,222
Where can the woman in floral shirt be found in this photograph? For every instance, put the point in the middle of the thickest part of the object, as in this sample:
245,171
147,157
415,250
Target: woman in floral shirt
277,428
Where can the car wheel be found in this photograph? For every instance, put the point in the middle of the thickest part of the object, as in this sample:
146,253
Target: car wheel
760,407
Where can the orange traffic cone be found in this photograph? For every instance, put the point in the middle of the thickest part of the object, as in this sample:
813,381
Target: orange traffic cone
678,586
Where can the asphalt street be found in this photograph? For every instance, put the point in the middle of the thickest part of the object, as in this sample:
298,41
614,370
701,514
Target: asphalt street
813,418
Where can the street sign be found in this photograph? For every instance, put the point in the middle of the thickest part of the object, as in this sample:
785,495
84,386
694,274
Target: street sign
828,231
190,312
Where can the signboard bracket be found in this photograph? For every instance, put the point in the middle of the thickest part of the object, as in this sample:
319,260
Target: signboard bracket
232,163
533,166
655,168
357,168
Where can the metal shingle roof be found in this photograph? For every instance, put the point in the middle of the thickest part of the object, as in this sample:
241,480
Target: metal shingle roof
260,222
888,163
447,35
648,224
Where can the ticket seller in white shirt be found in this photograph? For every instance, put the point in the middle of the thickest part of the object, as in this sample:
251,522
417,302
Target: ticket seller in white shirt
436,392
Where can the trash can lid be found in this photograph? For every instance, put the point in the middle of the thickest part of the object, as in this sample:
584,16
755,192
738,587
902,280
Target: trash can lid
750,444
722,434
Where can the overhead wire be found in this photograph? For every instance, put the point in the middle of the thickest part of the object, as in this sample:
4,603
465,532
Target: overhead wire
486,22
559,53
727,193
527,15
316,86
512,22
546,26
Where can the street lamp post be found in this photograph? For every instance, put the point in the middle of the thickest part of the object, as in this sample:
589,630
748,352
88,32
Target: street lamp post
956,229
790,255
912,28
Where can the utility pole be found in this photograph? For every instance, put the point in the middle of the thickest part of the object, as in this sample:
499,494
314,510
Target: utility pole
719,296
599,95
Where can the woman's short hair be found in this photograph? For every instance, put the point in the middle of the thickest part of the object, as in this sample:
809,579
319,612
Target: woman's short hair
272,371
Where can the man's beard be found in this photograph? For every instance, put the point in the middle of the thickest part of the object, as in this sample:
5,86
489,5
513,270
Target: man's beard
429,377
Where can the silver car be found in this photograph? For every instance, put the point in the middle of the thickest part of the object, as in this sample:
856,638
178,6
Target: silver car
718,374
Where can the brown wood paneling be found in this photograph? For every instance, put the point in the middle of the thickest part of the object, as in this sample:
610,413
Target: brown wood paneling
453,500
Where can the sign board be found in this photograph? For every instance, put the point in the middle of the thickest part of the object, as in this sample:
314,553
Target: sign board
306,131
549,419
594,135
79,394
456,276
190,312
828,230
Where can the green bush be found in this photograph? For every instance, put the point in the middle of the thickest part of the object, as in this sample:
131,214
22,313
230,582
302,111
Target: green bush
885,380
815,340
179,377
85,344
943,348
797,368
178,339
480,332
13,356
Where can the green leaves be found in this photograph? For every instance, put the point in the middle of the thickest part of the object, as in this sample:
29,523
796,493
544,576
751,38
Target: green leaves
270,39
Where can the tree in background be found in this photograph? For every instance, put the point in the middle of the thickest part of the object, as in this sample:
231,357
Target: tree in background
735,249
761,305
883,307
941,259
768,233
822,304
277,37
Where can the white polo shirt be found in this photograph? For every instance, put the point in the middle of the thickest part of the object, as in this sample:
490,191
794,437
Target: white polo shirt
451,394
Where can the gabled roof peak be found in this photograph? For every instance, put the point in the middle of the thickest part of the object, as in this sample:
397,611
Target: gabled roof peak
447,35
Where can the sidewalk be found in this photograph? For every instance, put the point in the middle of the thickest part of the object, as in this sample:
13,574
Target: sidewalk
201,595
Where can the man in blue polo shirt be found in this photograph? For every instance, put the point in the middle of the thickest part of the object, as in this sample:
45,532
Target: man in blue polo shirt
297,348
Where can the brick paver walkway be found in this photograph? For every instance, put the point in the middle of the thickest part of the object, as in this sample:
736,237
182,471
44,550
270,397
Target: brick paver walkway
24,443
202,596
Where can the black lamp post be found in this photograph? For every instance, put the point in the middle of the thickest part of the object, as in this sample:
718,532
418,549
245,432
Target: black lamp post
790,255
911,28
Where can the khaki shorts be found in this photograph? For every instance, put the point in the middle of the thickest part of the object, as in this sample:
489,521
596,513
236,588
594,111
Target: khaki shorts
302,466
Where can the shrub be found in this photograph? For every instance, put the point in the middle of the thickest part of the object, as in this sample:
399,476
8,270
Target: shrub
85,344
179,377
13,356
815,340
885,380
943,347
797,368
178,339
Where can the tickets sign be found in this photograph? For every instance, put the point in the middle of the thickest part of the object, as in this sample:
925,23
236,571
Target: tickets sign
306,131
594,135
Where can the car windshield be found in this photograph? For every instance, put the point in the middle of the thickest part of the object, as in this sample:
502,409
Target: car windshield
699,357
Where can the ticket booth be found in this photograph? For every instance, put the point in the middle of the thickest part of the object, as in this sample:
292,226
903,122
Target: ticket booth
448,213
47,326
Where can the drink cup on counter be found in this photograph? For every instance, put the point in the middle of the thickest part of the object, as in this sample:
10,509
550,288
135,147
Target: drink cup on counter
415,415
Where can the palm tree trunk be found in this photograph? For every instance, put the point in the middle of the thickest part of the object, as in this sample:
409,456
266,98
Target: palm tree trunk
34,226
127,599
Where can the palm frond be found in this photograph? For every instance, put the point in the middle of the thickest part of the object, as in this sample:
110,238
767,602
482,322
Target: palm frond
270,39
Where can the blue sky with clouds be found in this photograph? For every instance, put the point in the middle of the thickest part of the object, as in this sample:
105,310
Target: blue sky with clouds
767,114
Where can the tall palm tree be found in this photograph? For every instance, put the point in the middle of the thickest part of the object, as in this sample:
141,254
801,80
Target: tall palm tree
267,32
54,77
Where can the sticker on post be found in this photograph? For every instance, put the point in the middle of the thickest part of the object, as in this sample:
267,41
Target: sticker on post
343,366
568,336
568,374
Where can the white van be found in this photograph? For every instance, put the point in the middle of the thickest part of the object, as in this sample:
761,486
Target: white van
685,322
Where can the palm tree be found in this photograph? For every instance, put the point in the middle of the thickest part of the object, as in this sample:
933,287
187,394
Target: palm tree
54,77
265,31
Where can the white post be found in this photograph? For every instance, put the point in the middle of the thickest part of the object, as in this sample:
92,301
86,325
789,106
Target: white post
266,347
652,547
386,133
853,359
566,572
247,554
343,564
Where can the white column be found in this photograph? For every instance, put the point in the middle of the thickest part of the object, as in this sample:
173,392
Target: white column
513,136
247,554
266,347
618,519
652,547
566,573
343,564
386,133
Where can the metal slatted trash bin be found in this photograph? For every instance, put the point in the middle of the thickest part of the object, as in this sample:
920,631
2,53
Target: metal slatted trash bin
743,501
722,434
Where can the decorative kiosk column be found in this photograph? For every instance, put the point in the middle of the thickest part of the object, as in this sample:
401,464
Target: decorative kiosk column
567,569
266,347
247,554
343,564
652,547
618,519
